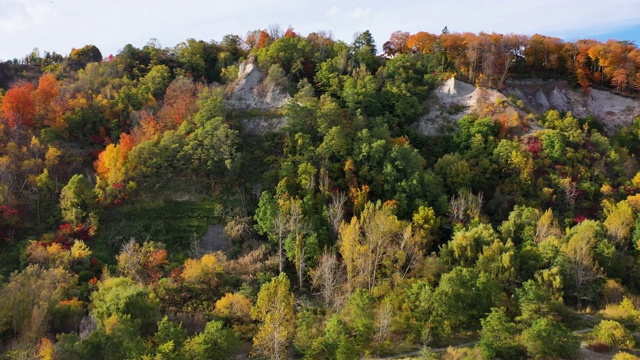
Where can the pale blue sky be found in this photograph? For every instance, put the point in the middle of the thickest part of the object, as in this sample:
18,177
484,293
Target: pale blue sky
59,25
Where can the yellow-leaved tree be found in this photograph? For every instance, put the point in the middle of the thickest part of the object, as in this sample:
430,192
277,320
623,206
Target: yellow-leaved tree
274,309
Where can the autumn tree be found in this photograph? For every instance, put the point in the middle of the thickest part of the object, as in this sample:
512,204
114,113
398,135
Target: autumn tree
421,42
28,297
583,270
18,105
179,103
143,263
274,309
397,43
619,222
79,58
47,108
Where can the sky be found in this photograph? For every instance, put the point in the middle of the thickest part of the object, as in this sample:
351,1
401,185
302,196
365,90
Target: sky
60,25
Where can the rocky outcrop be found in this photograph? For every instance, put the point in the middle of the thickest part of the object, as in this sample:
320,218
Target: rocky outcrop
256,101
454,99
250,92
612,110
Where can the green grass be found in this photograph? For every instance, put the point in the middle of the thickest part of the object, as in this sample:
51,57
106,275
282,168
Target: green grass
156,217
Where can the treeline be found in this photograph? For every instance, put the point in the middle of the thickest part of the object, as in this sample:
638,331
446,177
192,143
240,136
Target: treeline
489,59
350,233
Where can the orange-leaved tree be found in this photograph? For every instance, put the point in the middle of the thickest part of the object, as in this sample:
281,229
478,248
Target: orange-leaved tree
18,105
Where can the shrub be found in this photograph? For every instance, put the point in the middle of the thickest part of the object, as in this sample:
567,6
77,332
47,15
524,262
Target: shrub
625,356
549,339
613,333
622,312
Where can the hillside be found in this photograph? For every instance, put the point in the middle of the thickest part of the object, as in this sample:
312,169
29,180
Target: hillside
288,196
454,99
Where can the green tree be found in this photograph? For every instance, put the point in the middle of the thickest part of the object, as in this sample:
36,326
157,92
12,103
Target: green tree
122,297
158,79
215,342
461,299
521,225
548,339
467,245
498,337
76,199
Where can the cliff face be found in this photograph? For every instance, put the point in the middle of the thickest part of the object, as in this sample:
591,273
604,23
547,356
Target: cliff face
256,100
454,99
612,110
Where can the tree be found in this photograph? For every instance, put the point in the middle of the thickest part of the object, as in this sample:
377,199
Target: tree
210,147
234,307
581,266
397,44
467,245
461,299
123,298
168,340
28,297
549,339
215,342
79,58
498,337
179,103
18,105
204,271
142,263
373,245
158,79
76,198
327,277
274,310
47,112
619,222
421,42
360,315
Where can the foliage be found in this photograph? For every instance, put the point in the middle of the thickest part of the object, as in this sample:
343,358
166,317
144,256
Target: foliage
498,337
274,309
547,338
397,239
613,334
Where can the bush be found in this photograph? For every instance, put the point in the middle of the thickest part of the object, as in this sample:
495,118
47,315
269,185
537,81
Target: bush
497,337
625,356
549,339
613,333
622,312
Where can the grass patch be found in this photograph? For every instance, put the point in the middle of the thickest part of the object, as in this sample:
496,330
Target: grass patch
158,218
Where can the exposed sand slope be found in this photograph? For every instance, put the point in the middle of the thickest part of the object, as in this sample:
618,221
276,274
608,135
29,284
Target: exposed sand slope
454,99
610,109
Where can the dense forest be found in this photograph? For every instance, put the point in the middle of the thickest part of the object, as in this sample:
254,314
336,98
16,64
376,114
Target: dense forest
348,233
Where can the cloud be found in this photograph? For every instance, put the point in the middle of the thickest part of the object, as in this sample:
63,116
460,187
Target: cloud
333,11
16,15
360,13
